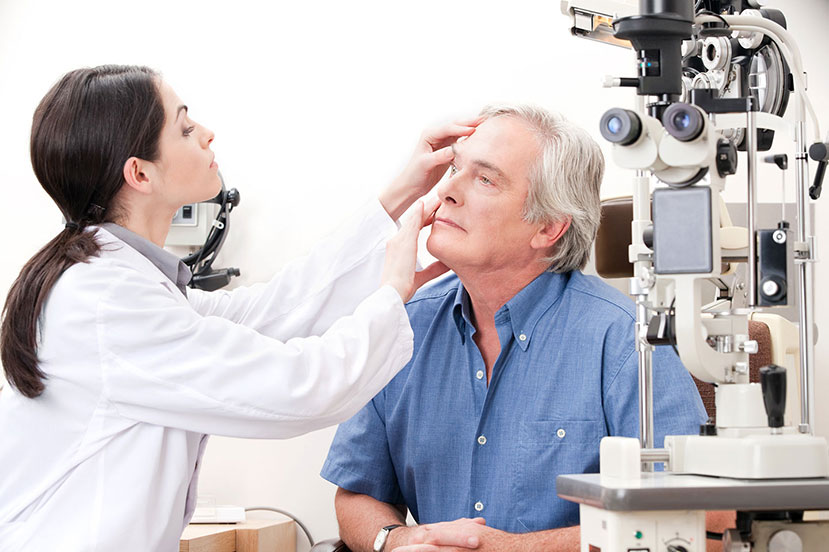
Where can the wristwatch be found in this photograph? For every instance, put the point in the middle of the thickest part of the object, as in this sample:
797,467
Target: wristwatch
382,537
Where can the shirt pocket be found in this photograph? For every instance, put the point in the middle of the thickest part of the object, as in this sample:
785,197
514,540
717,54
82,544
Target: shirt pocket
547,449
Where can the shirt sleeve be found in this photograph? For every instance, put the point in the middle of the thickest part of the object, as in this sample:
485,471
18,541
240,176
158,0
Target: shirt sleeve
359,459
310,293
165,364
677,406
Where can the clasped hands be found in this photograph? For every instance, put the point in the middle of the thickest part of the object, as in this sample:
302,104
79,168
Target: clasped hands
451,536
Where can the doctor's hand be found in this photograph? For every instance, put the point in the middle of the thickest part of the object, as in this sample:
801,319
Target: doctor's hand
399,270
426,167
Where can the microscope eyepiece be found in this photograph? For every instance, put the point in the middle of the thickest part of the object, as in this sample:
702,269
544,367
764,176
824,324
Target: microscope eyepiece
620,126
684,122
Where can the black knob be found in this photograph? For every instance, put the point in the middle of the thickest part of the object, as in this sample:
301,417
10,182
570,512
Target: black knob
773,384
708,429
726,157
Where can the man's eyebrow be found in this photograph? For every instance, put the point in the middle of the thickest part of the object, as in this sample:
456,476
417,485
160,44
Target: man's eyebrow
485,164
180,108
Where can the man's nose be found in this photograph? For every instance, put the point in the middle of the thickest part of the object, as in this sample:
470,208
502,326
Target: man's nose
449,192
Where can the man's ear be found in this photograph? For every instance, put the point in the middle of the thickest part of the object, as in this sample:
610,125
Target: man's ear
548,234
138,175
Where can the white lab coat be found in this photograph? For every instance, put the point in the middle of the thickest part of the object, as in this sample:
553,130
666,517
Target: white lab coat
107,458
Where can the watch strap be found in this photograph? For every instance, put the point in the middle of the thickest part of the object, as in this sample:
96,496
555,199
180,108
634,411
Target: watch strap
383,535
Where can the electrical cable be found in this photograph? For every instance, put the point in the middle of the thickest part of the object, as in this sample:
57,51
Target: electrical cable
285,513
201,262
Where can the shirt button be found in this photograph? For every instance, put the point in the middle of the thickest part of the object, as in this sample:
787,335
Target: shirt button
522,337
479,506
561,433
481,440
479,374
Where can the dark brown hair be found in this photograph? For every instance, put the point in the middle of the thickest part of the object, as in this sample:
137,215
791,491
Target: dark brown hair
83,132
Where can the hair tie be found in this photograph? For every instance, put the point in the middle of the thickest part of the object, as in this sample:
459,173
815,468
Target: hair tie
72,225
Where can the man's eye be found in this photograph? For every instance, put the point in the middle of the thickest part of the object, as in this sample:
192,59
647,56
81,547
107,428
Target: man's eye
452,169
189,130
486,181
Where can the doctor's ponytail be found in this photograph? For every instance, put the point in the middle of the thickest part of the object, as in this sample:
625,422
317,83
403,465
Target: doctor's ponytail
83,132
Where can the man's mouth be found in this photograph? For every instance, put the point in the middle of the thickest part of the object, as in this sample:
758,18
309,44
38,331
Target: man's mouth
448,222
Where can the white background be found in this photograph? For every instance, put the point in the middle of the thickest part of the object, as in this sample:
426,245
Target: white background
315,106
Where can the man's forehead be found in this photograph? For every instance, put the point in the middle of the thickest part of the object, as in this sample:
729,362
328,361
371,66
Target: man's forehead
500,131
503,140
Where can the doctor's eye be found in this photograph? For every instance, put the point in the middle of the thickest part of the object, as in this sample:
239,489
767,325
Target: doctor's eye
189,130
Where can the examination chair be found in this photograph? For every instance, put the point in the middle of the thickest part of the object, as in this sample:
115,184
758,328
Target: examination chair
776,337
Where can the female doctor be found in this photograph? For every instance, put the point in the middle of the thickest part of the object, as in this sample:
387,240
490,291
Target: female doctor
118,372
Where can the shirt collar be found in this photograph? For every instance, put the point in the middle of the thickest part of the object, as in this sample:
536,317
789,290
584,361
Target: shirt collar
169,264
523,310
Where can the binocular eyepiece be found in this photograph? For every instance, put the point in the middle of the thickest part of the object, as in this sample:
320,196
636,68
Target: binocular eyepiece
621,126
683,121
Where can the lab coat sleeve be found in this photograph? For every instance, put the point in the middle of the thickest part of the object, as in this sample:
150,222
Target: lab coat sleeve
309,294
164,364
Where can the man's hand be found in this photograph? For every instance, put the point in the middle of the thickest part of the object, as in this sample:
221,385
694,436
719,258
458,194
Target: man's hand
452,536
427,165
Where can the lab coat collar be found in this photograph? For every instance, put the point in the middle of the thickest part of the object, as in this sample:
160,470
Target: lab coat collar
169,265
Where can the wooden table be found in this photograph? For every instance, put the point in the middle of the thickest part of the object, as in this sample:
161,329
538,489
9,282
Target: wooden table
253,535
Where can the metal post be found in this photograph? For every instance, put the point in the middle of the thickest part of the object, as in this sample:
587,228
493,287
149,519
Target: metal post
805,282
751,201
641,211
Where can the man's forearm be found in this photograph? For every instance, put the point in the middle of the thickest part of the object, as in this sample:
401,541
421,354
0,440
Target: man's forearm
361,517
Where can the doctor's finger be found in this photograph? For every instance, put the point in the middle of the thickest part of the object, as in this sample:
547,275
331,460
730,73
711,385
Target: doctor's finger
440,136
429,273
430,207
414,221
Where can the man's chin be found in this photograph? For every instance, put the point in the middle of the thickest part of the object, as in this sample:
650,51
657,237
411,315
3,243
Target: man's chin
439,252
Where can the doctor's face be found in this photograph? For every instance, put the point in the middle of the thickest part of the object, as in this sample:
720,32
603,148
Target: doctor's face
479,225
186,171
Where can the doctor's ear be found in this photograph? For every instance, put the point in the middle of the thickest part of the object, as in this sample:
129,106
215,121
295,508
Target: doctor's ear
548,234
137,175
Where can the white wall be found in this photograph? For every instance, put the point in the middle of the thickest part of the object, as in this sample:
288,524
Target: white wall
315,106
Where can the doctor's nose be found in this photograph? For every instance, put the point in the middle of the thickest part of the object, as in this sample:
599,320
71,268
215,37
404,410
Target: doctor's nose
207,137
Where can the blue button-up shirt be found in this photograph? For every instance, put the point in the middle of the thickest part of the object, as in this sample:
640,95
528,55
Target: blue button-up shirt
442,441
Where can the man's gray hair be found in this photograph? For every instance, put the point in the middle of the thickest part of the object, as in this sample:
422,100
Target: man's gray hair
564,182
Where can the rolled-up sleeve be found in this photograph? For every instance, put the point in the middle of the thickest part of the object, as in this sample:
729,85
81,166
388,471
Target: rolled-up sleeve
359,459
677,407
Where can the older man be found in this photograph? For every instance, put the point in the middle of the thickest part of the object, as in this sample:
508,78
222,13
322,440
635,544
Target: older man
521,362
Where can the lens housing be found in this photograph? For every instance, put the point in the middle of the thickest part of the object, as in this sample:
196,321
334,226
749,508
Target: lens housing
620,126
683,121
